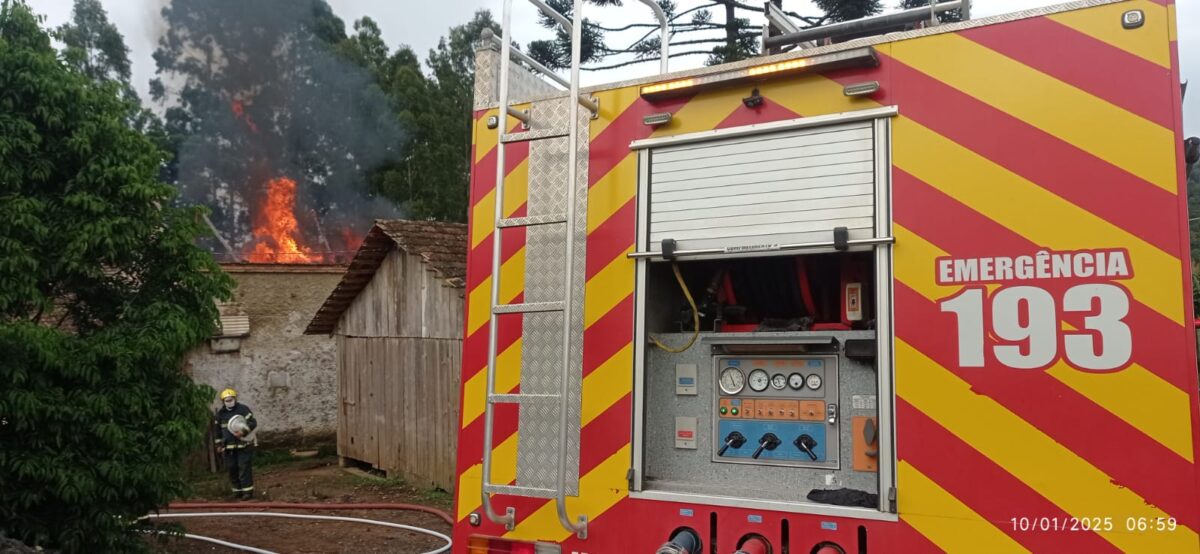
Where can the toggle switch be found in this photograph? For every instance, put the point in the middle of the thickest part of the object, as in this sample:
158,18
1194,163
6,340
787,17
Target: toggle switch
768,442
734,439
806,444
831,414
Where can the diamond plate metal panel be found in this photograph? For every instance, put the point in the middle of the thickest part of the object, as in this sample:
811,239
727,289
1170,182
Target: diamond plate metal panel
542,371
487,68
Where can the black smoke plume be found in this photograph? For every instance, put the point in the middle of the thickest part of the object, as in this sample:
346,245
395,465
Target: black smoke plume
257,90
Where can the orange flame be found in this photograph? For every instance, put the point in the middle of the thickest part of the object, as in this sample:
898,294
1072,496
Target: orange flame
276,233
239,111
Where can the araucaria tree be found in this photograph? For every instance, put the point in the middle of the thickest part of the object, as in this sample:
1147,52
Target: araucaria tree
102,292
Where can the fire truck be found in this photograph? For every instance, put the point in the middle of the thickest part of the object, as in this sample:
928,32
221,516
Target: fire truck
897,285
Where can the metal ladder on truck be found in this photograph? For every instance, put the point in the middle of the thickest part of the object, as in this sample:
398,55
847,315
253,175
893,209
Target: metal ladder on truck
568,219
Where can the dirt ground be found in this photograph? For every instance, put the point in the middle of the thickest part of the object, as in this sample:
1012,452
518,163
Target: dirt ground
309,481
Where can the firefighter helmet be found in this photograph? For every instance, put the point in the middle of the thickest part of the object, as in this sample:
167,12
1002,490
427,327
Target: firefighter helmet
227,393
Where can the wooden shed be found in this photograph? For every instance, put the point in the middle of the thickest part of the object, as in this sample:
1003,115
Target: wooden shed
397,317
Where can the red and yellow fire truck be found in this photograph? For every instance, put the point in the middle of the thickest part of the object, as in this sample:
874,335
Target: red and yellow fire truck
896,286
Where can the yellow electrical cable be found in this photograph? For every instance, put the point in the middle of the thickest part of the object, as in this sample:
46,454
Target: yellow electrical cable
695,315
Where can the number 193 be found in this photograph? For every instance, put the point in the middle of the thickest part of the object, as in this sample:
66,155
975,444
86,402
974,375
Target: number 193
1025,323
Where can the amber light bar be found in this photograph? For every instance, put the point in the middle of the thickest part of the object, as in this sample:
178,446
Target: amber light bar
855,57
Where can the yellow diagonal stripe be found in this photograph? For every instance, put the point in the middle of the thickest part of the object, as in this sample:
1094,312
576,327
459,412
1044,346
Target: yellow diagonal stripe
813,95
607,384
608,287
508,376
599,490
486,139
1035,459
1124,393
612,104
915,258
504,470
602,388
1172,24
945,520
1033,212
1104,23
479,300
516,192
703,112
1122,138
612,191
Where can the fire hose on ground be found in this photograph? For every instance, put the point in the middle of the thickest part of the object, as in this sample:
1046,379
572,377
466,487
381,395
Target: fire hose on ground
248,509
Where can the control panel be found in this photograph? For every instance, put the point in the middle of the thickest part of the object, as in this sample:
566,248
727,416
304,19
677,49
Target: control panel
776,410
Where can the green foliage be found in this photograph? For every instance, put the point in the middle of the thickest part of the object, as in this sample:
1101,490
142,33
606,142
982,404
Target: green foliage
431,180
102,292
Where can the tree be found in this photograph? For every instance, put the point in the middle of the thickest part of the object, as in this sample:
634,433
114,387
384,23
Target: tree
102,292
731,38
94,47
431,179
270,89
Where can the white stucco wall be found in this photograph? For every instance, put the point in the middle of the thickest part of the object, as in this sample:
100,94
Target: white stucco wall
287,378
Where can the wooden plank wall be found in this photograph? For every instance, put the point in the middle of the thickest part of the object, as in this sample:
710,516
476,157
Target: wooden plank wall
405,299
399,361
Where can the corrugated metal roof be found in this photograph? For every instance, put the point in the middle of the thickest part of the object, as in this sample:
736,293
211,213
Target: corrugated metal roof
441,245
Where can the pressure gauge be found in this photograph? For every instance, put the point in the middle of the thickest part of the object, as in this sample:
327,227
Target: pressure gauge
759,380
796,381
732,380
778,381
813,381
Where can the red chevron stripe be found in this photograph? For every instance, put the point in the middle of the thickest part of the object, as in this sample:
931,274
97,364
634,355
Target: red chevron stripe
611,146
765,112
1042,401
511,241
1184,235
601,438
475,346
610,239
959,469
1085,63
483,177
1055,165
912,541
966,232
470,438
617,322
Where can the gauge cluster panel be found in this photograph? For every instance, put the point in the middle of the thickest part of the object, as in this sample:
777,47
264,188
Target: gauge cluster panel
776,410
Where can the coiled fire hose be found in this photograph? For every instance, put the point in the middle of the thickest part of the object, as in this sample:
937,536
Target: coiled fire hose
247,510
695,316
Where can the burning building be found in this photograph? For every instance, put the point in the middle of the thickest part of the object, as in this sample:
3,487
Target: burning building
277,132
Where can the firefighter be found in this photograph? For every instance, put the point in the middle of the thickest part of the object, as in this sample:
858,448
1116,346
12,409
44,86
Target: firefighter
236,444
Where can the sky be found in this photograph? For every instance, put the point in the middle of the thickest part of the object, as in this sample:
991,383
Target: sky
420,23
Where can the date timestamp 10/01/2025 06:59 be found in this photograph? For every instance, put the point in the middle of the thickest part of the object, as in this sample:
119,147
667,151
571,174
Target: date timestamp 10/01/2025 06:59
1099,524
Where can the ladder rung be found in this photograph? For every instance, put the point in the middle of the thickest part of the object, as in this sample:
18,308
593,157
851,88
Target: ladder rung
522,398
531,307
536,134
532,220
519,491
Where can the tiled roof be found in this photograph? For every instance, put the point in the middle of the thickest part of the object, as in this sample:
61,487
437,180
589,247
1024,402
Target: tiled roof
441,245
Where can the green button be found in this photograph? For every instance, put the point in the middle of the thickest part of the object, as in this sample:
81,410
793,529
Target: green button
723,410
735,411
